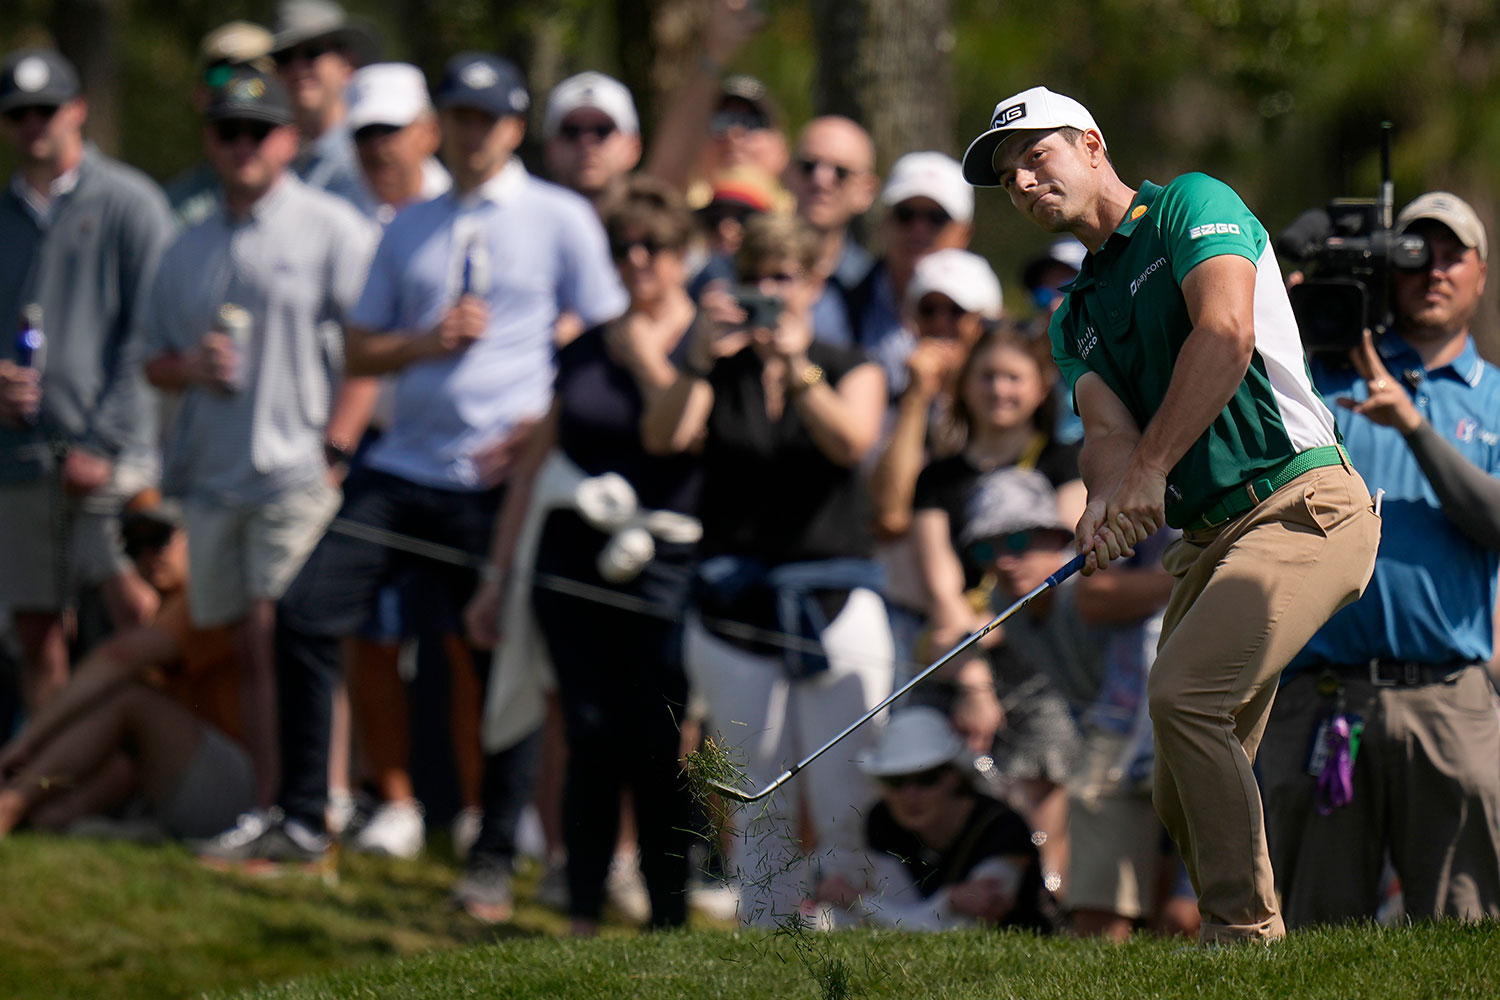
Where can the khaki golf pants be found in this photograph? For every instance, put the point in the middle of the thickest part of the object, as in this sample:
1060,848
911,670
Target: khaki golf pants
1248,596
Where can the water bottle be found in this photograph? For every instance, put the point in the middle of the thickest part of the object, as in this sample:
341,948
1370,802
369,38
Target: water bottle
234,322
31,346
476,274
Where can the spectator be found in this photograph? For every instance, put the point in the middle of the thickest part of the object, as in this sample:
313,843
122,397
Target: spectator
262,409
317,48
1383,736
80,237
785,421
1004,412
620,680
1043,278
462,315
395,133
591,135
942,853
927,206
953,294
735,197
114,730
194,194
832,175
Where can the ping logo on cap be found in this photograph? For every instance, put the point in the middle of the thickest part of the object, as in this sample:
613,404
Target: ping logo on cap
1006,115
479,76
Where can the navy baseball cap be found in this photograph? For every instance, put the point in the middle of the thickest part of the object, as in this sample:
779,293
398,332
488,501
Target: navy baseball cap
484,82
36,78
250,94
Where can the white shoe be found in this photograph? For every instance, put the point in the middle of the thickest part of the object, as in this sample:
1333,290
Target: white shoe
464,830
395,829
626,888
340,811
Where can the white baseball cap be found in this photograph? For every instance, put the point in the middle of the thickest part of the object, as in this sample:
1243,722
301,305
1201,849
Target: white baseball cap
915,740
387,94
591,90
964,277
930,175
1037,108
1453,212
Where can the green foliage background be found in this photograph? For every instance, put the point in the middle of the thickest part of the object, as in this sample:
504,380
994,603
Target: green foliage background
1281,98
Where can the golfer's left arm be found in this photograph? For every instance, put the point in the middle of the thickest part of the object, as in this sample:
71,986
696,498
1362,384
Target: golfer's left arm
1220,297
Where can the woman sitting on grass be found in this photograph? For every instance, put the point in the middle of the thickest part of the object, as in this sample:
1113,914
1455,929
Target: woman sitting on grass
942,853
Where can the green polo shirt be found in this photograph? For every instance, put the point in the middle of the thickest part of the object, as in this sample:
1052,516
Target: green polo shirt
1125,318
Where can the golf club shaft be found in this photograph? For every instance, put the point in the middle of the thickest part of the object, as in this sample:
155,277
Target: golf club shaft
1073,566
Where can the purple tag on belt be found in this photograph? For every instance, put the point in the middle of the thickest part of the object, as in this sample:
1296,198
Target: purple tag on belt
1336,779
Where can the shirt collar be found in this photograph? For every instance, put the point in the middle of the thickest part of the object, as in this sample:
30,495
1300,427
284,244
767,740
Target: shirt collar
499,189
40,204
1467,367
266,203
1140,206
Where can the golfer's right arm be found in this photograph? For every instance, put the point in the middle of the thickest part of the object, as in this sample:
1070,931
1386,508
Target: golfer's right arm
1110,435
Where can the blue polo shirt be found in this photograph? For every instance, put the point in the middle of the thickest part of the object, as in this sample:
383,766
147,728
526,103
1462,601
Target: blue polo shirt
1432,597
540,250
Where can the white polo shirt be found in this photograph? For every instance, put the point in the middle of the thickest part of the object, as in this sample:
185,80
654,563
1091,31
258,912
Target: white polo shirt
541,251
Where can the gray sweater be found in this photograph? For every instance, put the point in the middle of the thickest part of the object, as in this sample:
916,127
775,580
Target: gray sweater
90,269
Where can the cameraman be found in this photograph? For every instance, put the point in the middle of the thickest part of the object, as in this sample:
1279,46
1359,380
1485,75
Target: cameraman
1418,415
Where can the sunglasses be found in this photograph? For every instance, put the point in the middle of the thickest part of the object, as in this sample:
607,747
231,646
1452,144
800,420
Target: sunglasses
230,130
928,308
776,277
810,167
573,133
723,121
367,132
42,111
621,248
1013,543
311,51
922,779
907,214
146,537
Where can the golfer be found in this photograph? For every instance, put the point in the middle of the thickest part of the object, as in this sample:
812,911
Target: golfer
1185,363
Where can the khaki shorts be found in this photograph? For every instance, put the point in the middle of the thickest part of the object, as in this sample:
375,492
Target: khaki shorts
239,554
29,538
1115,854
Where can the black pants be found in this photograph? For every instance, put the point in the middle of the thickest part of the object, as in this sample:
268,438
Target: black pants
622,687
331,598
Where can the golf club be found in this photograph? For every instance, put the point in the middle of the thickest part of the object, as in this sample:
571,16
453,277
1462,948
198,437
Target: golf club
739,795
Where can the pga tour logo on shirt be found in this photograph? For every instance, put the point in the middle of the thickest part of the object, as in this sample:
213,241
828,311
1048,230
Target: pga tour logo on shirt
1213,229
1138,282
1468,429
1006,115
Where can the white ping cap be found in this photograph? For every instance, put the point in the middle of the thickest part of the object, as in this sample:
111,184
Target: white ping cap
591,90
930,175
1037,108
964,277
386,94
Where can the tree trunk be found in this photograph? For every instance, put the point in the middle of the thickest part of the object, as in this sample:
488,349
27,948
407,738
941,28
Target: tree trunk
87,32
658,41
885,63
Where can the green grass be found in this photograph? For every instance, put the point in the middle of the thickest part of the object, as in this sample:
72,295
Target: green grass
87,919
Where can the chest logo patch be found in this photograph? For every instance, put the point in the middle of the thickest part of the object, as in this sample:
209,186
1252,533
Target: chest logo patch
1213,229
1138,282
1088,342
1466,428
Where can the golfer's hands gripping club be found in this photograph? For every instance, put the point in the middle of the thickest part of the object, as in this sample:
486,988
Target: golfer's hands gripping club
1113,525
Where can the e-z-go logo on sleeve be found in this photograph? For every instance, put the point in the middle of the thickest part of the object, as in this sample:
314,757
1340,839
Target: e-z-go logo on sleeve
1213,229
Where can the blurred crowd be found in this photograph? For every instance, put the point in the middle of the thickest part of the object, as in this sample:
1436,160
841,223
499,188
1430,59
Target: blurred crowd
366,481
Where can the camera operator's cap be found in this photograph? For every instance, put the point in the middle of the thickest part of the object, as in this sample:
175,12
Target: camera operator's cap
1010,500
299,21
591,90
37,78
1037,108
386,94
916,739
235,43
1453,212
250,94
964,277
483,82
930,175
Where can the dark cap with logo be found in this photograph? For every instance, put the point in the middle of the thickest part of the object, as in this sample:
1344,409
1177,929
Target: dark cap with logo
483,82
251,95
36,78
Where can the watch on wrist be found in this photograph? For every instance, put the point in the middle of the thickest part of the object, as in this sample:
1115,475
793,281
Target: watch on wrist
811,376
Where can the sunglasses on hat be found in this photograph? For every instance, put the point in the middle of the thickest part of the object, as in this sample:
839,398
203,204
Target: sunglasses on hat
572,132
42,111
1012,543
922,779
230,130
928,308
310,51
907,214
